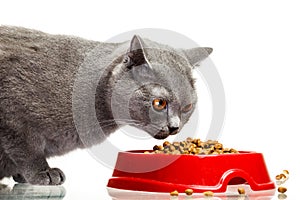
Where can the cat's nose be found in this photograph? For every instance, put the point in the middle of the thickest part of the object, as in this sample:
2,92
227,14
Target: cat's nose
173,130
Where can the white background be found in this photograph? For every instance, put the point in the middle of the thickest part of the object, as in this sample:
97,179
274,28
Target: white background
256,51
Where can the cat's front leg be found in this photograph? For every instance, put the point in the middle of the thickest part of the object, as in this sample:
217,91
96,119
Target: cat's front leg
37,172
31,165
50,176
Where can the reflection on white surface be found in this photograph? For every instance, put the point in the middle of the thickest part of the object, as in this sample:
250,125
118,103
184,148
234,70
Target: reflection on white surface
230,194
26,192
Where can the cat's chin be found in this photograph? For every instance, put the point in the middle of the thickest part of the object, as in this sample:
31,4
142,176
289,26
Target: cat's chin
161,135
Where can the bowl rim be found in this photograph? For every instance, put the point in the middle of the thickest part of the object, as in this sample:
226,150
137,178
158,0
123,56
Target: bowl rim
141,152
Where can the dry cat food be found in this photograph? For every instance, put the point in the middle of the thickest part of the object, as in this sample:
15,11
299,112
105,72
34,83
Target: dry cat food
189,192
174,193
286,172
208,194
241,190
282,178
282,189
192,146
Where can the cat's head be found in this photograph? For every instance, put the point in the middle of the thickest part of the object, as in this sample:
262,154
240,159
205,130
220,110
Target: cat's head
158,87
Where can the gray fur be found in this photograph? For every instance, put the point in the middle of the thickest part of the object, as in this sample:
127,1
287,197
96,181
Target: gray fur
45,79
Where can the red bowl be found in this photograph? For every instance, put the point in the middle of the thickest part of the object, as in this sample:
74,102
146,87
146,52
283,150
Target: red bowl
137,171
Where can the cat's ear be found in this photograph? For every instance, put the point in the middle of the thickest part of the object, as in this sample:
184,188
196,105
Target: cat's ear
136,43
196,55
135,55
140,68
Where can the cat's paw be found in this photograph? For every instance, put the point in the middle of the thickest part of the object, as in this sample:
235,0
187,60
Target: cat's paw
51,176
19,178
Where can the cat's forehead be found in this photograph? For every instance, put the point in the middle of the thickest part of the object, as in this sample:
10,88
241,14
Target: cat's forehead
171,84
172,72
167,58
159,91
164,54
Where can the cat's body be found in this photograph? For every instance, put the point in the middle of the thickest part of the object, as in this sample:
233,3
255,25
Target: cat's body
37,78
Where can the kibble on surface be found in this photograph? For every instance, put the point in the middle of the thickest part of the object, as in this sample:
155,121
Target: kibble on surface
278,177
282,178
241,190
174,193
286,171
208,193
193,147
282,189
188,192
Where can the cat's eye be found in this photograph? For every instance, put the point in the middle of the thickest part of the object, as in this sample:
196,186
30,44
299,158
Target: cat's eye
159,104
187,108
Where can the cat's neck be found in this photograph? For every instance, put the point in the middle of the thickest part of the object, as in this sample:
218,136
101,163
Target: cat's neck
103,98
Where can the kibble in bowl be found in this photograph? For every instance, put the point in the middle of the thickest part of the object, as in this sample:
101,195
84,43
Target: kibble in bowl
192,147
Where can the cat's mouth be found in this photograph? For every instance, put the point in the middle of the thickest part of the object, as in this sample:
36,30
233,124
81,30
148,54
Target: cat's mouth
161,135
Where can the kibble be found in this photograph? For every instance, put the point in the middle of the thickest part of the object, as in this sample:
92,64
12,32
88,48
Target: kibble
281,189
218,146
166,143
174,193
278,177
158,147
193,147
286,171
189,192
208,194
241,190
282,178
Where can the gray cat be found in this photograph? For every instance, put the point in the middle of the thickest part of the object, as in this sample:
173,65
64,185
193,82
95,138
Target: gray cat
45,79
